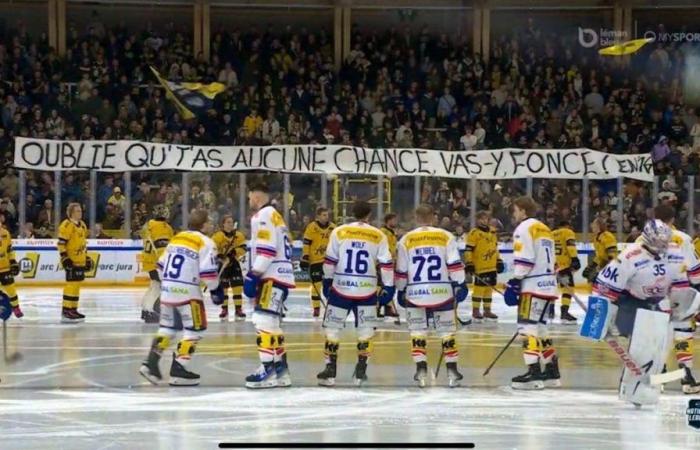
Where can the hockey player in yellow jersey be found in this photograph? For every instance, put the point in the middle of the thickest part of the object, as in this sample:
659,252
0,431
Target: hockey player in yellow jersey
316,237
532,288
187,265
605,249
482,261
72,249
389,229
230,245
9,269
567,263
156,235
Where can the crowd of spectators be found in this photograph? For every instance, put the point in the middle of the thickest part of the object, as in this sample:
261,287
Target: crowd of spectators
397,88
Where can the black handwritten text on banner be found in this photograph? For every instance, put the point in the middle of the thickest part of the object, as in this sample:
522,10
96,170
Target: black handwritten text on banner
120,156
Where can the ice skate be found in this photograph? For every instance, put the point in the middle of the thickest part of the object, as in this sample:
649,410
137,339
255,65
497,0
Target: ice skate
476,316
533,379
453,376
264,377
240,315
688,383
71,316
327,376
489,316
566,317
180,376
551,376
223,315
360,375
282,372
317,312
150,369
421,375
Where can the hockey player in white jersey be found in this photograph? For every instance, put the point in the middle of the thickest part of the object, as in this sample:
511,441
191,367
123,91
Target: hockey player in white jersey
683,306
532,288
268,281
350,285
189,260
430,280
638,285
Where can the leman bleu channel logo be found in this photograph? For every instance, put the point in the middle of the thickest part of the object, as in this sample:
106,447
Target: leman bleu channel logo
693,413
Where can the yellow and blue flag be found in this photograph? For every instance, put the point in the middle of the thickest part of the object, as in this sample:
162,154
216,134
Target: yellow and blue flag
191,99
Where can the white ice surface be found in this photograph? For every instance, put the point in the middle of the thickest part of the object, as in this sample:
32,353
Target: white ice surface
141,417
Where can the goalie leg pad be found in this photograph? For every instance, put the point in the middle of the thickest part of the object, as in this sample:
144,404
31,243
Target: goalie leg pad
649,344
600,315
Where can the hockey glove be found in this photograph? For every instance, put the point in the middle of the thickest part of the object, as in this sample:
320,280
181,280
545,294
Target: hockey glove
575,263
512,293
461,291
589,272
14,268
401,298
327,283
304,264
386,295
217,295
250,285
500,266
89,264
67,263
469,268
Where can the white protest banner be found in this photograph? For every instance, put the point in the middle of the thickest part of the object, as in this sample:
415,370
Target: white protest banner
121,156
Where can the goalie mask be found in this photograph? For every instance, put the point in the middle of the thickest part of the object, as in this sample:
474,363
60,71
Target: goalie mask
656,236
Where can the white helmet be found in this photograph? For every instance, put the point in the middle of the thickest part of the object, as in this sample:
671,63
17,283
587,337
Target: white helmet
656,236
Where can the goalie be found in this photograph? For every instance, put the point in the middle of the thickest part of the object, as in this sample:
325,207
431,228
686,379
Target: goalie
633,292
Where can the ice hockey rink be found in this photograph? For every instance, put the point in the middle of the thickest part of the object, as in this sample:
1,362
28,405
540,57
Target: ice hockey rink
78,387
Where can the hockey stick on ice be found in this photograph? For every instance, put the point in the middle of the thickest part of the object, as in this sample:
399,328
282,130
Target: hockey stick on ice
318,294
630,363
515,335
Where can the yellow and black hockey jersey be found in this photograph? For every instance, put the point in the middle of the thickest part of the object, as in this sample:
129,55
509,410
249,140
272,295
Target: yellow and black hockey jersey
72,241
696,244
605,245
564,247
391,240
232,243
156,234
7,254
316,238
481,249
